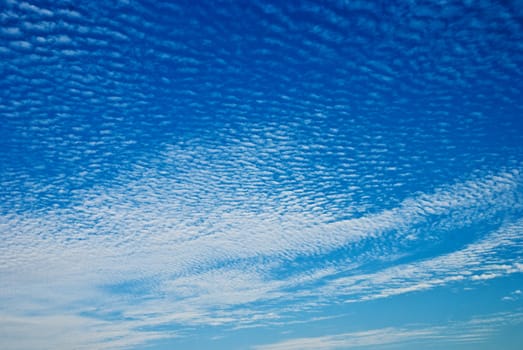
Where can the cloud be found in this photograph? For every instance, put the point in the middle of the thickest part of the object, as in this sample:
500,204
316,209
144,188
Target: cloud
80,332
223,268
205,174
477,261
473,331
515,295
349,340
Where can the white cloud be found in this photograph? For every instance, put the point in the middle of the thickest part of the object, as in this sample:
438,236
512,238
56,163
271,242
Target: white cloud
68,331
214,228
484,276
515,295
472,331
192,267
350,340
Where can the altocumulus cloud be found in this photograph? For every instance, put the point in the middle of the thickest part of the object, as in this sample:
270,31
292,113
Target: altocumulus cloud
167,167
127,247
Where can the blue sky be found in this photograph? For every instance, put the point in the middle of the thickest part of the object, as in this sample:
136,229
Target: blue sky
261,175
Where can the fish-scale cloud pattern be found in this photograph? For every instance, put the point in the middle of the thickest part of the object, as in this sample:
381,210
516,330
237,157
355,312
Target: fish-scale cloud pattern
237,164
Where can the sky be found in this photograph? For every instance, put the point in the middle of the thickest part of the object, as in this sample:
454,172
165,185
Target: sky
261,175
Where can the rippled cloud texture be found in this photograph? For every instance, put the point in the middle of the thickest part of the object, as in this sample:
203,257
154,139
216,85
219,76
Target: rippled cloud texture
261,175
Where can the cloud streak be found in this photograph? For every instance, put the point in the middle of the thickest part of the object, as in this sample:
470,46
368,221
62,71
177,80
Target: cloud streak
472,331
218,271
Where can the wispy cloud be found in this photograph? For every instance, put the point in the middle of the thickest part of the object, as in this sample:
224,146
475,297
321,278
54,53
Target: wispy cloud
72,331
515,295
478,261
218,270
472,331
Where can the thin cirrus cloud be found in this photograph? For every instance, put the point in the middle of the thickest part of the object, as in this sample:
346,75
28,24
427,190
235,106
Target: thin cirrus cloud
472,331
